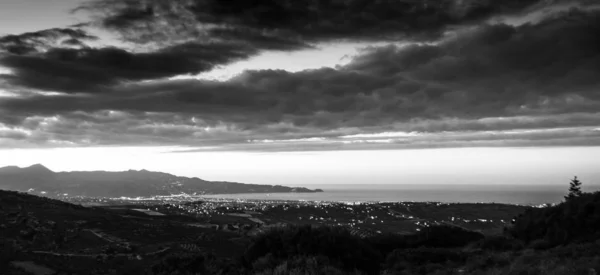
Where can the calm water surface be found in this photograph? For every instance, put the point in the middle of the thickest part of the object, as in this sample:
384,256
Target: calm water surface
512,194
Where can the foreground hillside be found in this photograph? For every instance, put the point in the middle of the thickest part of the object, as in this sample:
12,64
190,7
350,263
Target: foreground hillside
38,233
44,236
117,184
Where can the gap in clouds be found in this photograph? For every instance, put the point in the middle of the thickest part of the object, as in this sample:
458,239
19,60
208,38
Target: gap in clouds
325,55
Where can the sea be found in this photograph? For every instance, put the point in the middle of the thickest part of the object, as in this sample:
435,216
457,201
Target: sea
507,194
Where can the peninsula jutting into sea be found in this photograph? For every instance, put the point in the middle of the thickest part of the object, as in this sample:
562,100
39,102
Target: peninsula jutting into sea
41,180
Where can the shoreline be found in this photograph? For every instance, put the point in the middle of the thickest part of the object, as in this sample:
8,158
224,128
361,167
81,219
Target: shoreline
201,199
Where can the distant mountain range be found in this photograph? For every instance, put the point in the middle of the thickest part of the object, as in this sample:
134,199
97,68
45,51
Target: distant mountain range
39,179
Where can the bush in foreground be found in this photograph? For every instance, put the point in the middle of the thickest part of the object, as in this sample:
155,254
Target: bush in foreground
577,219
445,236
499,243
424,260
193,263
342,250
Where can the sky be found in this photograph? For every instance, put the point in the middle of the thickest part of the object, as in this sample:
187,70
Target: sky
304,92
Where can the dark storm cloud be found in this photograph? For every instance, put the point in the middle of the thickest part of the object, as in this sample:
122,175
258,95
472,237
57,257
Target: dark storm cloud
91,70
260,39
191,37
319,20
59,59
489,78
35,42
500,69
492,71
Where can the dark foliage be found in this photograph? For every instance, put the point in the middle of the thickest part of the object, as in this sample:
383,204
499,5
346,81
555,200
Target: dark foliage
574,189
444,236
386,243
194,263
181,264
499,243
7,252
531,246
305,265
577,219
424,260
425,255
337,244
433,236
483,260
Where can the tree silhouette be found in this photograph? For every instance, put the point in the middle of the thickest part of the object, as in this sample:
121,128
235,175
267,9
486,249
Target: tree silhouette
574,189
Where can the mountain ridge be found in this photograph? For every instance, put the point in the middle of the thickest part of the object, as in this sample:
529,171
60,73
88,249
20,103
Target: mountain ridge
130,183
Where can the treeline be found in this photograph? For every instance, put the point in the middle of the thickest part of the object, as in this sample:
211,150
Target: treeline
336,247
328,250
575,220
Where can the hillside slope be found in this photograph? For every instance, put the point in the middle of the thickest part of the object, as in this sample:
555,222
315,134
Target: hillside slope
127,183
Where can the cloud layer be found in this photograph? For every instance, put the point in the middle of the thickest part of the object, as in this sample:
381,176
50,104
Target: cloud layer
310,20
483,84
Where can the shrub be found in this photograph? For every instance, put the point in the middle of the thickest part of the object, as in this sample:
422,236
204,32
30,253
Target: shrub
444,236
577,219
487,261
305,265
424,260
540,244
8,253
386,243
342,249
499,243
194,263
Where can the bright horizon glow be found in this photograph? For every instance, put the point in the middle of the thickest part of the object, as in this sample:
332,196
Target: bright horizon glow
483,166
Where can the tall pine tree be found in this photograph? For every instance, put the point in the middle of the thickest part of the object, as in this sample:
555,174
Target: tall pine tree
574,189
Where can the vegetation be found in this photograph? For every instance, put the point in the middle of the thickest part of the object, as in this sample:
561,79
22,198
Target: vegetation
558,239
193,263
577,219
337,245
574,189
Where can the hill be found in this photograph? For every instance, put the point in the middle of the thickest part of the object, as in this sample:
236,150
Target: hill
574,220
38,233
42,234
130,183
